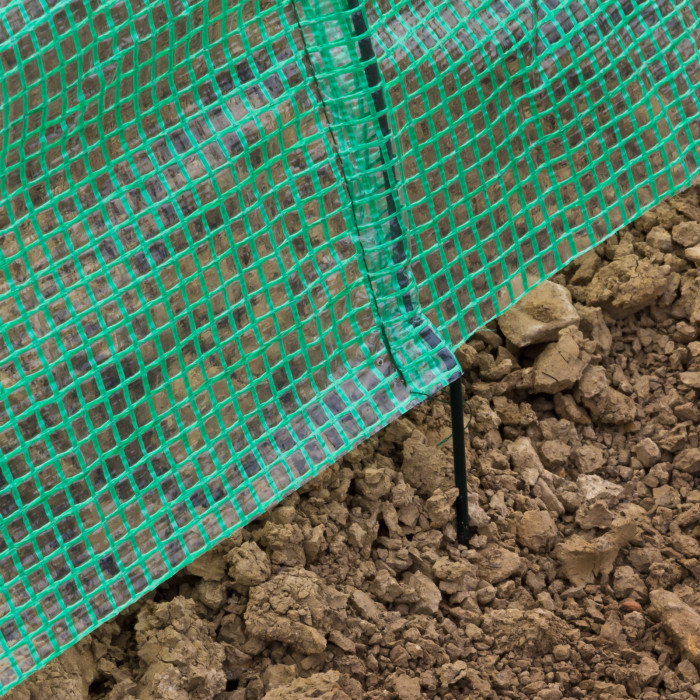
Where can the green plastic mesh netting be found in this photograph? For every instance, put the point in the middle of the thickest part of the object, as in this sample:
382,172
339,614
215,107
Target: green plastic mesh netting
238,238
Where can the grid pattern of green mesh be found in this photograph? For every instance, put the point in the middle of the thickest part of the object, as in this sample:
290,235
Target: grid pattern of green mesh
528,132
224,262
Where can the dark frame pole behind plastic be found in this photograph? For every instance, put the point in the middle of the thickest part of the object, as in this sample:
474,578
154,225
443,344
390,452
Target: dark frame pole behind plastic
373,76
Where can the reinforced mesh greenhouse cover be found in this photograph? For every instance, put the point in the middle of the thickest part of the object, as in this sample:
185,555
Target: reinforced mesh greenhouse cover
238,238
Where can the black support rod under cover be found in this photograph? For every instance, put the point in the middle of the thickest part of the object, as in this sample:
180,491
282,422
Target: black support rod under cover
374,81
460,460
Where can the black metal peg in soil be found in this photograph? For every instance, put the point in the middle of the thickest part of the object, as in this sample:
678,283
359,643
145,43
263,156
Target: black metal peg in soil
460,460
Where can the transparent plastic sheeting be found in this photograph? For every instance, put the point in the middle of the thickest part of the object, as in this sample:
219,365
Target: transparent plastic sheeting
238,238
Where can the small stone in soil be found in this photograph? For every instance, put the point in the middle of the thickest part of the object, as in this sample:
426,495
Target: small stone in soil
539,316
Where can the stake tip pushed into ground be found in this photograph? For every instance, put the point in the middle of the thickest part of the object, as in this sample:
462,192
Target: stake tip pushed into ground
460,460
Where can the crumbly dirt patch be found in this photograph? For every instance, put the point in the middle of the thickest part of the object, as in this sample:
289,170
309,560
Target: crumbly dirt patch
582,579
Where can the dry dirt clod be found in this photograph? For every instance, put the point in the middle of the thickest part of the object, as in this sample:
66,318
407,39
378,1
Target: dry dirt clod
628,584
320,686
567,408
427,593
248,565
592,487
525,460
531,632
595,515
439,507
691,379
539,316
583,559
680,620
296,608
561,364
594,328
182,657
498,564
693,254
536,530
688,460
210,566
660,239
451,673
647,452
588,264
406,688
604,403
589,458
424,467
278,675
626,286
686,234
66,678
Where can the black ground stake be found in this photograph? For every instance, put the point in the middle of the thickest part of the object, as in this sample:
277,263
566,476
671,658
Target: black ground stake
460,460
374,81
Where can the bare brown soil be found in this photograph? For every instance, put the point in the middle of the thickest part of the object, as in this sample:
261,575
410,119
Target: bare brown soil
582,579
